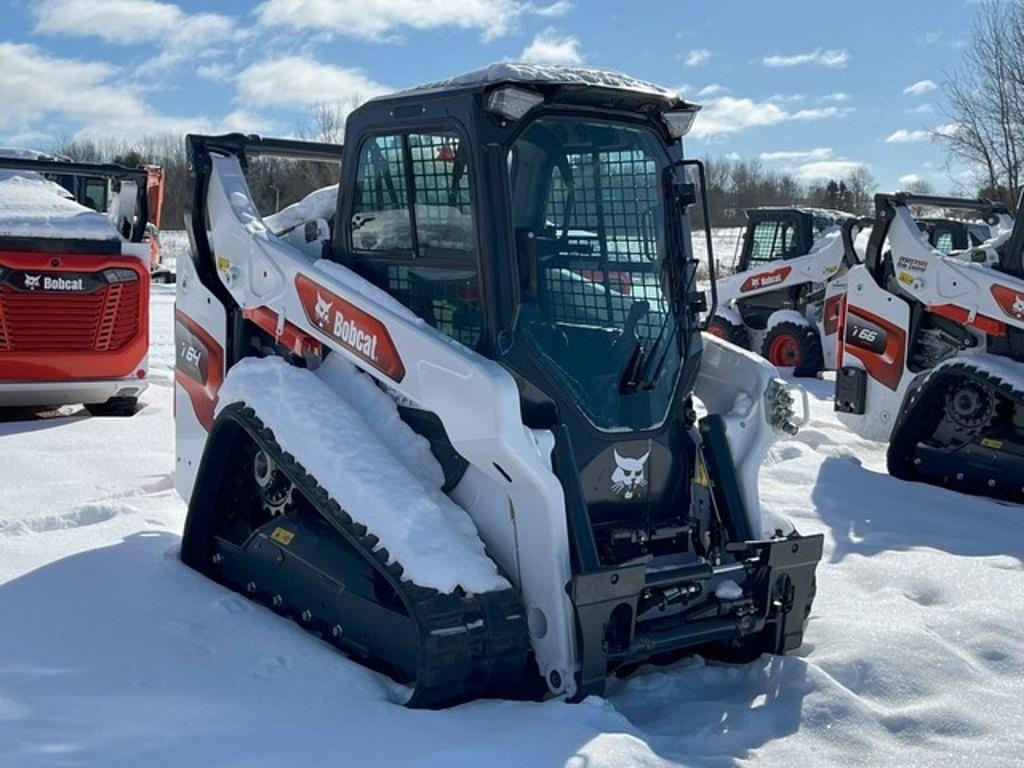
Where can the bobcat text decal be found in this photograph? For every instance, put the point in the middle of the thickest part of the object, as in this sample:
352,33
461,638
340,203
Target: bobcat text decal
359,332
766,279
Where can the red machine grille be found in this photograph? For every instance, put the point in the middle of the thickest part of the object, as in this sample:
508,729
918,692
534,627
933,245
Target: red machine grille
104,321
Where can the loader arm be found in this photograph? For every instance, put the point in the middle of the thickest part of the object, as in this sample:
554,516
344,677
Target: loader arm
264,275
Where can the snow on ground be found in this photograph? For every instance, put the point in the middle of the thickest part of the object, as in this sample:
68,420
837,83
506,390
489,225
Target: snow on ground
114,654
726,244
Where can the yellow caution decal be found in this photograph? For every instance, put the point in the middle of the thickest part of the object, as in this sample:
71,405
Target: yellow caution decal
701,474
282,536
988,442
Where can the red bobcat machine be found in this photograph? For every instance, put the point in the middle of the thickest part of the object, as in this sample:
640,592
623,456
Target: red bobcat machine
931,351
74,286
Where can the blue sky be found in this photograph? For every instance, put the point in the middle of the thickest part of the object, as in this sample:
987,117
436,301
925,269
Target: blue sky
816,88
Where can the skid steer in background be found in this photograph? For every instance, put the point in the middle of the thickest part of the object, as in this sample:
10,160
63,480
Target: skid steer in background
74,286
508,257
932,352
783,298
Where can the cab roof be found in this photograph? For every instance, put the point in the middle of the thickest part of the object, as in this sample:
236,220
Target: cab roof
765,211
549,76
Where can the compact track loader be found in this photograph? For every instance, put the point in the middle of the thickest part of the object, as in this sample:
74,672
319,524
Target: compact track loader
456,415
932,351
783,298
74,285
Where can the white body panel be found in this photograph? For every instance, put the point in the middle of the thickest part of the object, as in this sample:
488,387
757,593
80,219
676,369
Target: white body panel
822,265
971,293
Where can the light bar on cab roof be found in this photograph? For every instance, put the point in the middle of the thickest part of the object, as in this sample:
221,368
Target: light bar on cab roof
512,103
680,121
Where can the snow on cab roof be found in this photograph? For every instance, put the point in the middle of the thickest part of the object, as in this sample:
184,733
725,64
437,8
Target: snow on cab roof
545,74
826,213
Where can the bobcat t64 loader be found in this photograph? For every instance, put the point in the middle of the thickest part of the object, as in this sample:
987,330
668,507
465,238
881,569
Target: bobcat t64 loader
931,351
783,299
456,415
74,285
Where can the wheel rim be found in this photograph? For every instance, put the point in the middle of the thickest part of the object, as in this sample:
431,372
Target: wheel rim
785,351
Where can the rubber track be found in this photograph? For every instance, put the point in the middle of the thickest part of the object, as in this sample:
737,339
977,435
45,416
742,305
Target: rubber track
920,414
489,658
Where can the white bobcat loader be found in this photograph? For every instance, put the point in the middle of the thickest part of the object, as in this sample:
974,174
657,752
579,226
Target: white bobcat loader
443,415
931,351
783,298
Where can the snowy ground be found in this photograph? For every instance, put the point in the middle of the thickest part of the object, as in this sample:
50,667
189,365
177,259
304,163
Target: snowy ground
114,654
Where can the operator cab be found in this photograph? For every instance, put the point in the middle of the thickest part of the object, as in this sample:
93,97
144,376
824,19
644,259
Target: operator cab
539,216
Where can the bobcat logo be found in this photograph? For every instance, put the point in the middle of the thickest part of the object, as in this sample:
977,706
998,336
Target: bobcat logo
322,310
32,281
1018,306
628,477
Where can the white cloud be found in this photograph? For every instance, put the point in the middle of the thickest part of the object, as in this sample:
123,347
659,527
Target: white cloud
40,91
297,81
838,97
217,73
813,164
696,57
910,178
827,169
132,22
381,19
948,129
798,156
818,57
904,136
557,8
920,88
727,114
921,109
548,47
819,113
711,90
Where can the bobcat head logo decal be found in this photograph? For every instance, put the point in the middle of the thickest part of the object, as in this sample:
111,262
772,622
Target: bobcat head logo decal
322,310
1018,307
32,281
628,477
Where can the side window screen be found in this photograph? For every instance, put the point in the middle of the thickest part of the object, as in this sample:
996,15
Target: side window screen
380,218
943,240
773,240
444,220
413,226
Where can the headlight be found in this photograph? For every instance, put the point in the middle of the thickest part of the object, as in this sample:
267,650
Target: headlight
680,121
512,103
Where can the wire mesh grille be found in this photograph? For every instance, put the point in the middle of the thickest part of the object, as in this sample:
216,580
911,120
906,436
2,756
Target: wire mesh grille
605,212
772,240
381,203
441,198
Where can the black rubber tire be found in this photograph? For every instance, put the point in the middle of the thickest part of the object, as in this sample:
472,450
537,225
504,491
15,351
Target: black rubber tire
115,406
803,339
731,332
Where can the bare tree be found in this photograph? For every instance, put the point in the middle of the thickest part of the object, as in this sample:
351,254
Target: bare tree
986,100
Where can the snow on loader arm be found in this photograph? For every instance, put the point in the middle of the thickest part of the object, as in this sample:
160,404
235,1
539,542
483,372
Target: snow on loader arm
444,414
74,285
932,351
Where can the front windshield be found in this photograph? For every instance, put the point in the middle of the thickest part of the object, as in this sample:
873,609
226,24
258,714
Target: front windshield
591,236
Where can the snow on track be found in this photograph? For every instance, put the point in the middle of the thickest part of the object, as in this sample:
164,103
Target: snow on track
112,653
333,422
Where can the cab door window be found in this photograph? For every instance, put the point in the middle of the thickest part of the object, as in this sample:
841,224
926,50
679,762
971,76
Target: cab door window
412,228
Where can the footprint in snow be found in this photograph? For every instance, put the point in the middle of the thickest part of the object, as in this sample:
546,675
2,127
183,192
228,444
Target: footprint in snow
272,666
